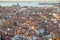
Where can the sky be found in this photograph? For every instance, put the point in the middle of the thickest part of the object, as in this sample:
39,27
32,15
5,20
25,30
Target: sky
49,1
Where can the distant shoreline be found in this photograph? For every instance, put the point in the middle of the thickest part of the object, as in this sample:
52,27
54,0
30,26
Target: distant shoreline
32,1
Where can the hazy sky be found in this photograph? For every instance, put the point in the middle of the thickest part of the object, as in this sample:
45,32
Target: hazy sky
54,1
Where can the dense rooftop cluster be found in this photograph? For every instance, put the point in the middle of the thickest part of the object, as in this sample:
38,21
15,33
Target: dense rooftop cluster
29,23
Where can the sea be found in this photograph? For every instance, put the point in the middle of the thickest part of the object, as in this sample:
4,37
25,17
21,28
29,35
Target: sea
29,4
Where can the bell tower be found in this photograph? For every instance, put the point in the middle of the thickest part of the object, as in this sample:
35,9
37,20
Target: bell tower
17,4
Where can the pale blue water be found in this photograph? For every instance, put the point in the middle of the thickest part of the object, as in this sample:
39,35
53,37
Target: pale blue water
33,4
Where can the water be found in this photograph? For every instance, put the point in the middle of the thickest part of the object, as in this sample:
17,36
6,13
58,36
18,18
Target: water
33,4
